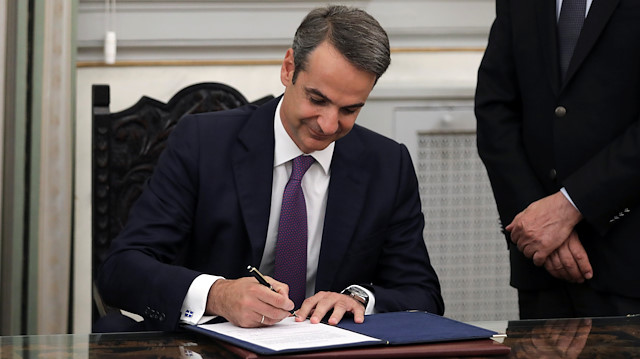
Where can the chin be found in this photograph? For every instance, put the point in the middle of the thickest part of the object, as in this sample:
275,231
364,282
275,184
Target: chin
316,146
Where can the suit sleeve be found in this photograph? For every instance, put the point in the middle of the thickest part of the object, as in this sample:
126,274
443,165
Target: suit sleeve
138,274
405,278
607,185
498,111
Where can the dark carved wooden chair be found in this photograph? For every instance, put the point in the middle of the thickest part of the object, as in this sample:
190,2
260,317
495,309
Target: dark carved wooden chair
126,148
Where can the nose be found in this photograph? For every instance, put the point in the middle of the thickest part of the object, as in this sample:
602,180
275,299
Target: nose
328,121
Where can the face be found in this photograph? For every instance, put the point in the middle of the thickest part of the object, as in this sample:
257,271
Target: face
322,105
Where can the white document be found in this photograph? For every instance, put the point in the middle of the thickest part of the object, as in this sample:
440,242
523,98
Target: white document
289,334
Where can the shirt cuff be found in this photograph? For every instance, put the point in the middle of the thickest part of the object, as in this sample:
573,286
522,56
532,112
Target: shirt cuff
370,309
566,195
195,302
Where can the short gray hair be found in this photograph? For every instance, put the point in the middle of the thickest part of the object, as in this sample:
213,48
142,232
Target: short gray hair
353,32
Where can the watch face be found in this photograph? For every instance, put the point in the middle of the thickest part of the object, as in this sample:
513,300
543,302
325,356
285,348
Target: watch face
359,292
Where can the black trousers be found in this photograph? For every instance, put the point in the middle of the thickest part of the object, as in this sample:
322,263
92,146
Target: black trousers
573,301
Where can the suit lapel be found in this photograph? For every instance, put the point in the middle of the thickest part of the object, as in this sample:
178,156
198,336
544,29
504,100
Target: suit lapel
598,16
347,189
252,161
546,20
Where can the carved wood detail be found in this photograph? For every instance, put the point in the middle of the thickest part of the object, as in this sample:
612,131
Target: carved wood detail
126,148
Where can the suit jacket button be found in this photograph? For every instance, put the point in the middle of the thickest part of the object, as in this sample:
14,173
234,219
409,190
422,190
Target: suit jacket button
553,174
560,111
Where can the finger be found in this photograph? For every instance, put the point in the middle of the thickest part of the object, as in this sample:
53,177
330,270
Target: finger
272,314
522,245
322,302
272,305
580,255
527,246
539,257
513,230
569,264
279,287
278,299
265,320
358,313
510,226
321,309
336,315
250,319
554,266
347,304
306,309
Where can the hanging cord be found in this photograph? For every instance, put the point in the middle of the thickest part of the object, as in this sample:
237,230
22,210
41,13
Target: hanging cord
110,31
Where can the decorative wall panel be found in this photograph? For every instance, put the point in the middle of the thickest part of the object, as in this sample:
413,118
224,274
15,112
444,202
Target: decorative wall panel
461,231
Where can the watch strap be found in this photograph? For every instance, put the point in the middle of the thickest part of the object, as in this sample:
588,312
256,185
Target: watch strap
358,295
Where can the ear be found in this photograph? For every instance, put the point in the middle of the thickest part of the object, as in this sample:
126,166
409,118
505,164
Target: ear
288,67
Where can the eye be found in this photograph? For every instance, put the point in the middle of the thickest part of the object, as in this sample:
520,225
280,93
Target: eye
348,111
317,101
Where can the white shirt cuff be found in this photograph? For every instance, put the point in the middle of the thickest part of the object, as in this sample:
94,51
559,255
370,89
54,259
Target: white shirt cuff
564,192
195,302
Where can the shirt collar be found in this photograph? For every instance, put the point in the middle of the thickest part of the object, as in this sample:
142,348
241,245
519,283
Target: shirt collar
286,149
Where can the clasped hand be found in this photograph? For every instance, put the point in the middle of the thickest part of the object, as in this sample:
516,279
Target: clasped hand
545,232
247,303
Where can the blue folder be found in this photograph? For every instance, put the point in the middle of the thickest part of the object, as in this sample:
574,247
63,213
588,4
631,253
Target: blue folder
394,328
415,327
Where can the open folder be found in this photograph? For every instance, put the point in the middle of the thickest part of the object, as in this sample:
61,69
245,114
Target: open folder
384,329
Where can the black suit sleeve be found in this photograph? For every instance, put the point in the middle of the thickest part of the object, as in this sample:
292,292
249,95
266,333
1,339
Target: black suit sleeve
498,111
607,184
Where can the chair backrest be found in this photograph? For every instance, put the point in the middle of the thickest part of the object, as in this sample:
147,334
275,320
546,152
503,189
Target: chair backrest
126,148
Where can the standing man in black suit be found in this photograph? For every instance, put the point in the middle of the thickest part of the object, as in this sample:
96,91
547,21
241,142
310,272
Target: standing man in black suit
558,114
213,203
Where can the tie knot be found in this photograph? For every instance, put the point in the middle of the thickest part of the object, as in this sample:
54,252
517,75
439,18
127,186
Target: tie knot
300,166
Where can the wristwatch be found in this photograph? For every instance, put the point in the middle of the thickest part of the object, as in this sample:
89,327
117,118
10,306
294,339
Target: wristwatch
358,294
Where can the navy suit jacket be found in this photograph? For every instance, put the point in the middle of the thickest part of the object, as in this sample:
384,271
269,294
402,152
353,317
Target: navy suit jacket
537,133
206,210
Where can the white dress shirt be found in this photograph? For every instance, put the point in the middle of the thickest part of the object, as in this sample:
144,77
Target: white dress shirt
315,184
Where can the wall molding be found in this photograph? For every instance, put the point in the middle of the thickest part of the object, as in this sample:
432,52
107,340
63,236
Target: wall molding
258,30
254,62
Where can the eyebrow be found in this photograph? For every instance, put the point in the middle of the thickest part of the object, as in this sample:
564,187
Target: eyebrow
318,93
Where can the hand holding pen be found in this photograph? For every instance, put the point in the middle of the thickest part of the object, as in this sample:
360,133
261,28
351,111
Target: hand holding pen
247,304
262,280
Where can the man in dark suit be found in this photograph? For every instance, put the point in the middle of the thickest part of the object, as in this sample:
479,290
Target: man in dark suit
558,108
212,206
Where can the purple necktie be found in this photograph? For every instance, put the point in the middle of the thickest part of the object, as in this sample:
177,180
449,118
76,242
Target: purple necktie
570,23
291,247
